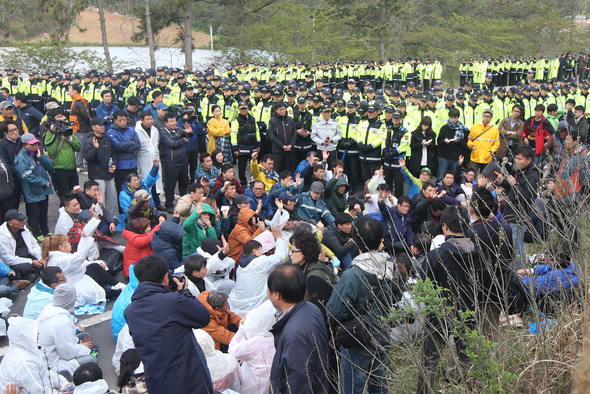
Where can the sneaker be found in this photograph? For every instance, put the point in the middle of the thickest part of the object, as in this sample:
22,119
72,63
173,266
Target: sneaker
40,239
159,207
48,235
21,284
118,286
94,351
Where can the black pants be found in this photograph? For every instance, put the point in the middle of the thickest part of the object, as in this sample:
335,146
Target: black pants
112,259
26,271
242,165
155,196
193,161
351,169
120,176
283,161
175,174
5,206
37,217
368,170
64,181
395,178
100,276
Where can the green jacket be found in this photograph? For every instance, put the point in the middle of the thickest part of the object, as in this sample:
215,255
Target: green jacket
65,158
194,234
335,201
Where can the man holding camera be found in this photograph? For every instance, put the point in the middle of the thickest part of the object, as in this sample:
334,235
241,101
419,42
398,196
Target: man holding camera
161,323
61,146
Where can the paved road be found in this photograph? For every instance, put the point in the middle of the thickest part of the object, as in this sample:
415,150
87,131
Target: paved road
98,326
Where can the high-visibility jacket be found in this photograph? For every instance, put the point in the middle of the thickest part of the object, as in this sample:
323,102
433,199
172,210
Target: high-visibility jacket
472,114
349,127
370,134
500,108
483,145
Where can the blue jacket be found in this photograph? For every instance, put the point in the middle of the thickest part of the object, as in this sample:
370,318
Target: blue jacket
317,210
276,190
301,167
103,111
412,187
39,297
161,323
126,195
122,302
301,342
172,150
167,243
547,279
396,230
266,211
211,174
32,118
126,143
150,107
34,176
193,142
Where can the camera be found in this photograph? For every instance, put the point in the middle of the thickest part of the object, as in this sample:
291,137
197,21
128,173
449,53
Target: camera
180,111
59,126
171,283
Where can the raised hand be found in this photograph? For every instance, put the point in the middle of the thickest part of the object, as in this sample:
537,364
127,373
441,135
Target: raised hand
279,204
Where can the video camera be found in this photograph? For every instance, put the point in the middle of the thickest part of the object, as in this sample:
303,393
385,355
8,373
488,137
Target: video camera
171,283
180,111
59,126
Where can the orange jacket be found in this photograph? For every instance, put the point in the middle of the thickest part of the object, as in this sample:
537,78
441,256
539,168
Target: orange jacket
219,322
242,233
74,118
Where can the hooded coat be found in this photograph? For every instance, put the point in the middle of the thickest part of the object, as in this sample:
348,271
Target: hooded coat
137,247
167,243
23,361
219,322
242,233
161,323
122,302
194,234
336,202
57,337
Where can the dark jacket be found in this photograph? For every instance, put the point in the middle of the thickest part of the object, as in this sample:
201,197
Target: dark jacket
453,149
396,230
8,151
336,202
167,243
303,120
419,210
281,130
266,211
521,196
32,118
338,242
301,342
7,185
172,147
452,193
126,143
416,145
161,324
86,203
98,158
81,112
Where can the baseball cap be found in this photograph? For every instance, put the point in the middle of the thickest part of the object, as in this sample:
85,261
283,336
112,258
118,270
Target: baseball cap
301,99
425,169
6,104
14,214
371,108
489,111
563,125
285,196
29,138
97,121
397,114
351,104
317,187
242,104
84,215
389,108
326,108
162,106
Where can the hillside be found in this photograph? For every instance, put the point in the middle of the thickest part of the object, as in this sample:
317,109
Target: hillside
120,28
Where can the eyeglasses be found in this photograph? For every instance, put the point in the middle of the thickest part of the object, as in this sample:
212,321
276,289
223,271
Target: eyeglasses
293,251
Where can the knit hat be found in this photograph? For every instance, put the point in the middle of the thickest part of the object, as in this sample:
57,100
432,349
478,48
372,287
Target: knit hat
64,296
209,245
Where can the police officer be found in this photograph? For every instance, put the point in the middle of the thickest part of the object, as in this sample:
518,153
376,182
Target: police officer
396,146
370,137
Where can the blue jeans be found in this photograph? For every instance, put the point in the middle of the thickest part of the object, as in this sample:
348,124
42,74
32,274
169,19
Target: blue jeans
346,260
353,379
518,231
6,287
445,165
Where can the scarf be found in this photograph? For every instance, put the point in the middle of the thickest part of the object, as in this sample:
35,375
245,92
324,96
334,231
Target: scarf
270,174
459,129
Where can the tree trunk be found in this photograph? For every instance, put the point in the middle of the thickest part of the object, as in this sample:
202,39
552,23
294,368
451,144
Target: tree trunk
188,35
381,30
150,35
103,31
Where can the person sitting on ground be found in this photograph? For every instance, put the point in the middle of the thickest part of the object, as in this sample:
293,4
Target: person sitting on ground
336,191
248,227
224,197
219,265
142,207
88,378
132,184
254,345
195,269
264,171
187,203
420,247
421,203
90,197
223,368
227,174
397,226
259,200
454,193
313,174
310,207
372,201
285,184
197,227
18,248
338,238
207,170
414,184
224,323
68,213
167,243
138,234
41,294
64,350
256,262
23,363
131,376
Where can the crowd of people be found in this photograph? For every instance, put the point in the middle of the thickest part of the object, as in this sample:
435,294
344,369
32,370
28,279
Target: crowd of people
266,236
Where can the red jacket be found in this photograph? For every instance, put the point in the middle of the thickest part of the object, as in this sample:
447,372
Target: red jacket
219,184
541,133
138,246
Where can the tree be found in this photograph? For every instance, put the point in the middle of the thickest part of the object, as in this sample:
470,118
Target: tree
149,33
103,31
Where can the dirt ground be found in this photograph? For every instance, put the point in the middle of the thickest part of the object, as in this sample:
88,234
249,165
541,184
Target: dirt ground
120,28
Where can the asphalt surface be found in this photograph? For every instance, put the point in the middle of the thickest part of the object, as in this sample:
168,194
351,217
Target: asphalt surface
97,326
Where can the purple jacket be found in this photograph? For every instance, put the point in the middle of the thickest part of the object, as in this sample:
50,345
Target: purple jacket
452,193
